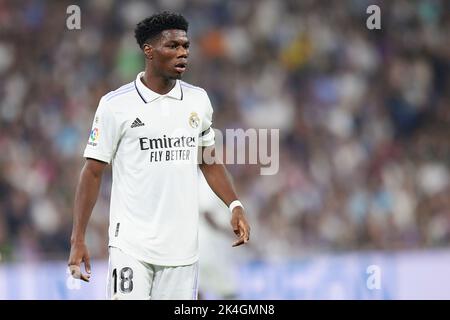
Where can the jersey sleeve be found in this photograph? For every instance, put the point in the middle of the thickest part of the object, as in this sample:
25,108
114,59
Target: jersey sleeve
207,134
104,135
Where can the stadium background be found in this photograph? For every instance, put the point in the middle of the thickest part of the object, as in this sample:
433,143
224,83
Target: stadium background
364,119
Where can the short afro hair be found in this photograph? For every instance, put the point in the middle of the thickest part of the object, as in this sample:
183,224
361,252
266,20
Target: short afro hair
152,26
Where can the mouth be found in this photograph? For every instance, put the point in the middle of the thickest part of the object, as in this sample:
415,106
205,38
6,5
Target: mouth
181,67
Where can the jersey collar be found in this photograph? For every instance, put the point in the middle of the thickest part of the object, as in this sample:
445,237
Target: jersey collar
148,95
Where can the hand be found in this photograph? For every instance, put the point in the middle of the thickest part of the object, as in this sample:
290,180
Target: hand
79,253
240,226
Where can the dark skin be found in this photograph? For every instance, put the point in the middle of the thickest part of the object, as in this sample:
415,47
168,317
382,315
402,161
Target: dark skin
166,61
163,54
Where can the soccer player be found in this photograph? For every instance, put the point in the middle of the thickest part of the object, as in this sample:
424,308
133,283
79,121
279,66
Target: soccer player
150,131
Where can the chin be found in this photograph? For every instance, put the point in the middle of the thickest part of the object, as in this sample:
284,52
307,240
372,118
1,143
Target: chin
176,76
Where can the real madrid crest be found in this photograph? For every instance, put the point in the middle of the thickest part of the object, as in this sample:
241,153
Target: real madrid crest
194,120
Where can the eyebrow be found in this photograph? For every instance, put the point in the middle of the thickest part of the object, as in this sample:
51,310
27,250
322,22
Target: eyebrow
179,41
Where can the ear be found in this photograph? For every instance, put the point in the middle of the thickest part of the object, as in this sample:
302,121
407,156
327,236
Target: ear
148,51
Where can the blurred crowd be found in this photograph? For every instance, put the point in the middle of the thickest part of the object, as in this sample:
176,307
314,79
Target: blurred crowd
364,117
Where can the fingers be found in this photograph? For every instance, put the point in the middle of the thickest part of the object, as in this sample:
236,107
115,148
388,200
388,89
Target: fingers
245,230
246,235
238,242
79,254
235,225
75,271
243,233
87,264
85,277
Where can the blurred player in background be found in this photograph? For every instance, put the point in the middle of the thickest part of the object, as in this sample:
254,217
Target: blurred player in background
150,131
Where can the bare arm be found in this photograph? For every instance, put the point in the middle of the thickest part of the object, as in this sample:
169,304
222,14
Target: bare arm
218,179
85,198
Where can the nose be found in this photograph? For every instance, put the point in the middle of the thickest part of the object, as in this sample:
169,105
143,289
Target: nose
182,52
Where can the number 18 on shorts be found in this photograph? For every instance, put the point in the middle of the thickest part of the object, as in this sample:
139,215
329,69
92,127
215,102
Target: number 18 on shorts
131,279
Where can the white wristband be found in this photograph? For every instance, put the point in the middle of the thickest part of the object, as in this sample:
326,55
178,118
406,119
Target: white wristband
234,204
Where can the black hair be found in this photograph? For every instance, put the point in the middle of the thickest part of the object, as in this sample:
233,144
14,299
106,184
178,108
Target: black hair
152,26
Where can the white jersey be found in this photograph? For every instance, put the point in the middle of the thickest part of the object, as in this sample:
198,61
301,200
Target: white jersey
151,140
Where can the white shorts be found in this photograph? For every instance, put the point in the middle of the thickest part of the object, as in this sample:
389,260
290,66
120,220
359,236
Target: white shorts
131,279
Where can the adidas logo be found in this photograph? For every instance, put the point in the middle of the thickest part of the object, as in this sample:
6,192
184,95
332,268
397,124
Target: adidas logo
137,123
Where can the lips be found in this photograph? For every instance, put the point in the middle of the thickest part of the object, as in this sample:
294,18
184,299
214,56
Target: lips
181,66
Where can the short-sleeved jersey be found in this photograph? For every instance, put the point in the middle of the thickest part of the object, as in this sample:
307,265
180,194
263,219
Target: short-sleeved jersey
151,141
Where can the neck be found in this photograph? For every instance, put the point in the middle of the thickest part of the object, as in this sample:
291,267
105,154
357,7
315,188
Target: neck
157,83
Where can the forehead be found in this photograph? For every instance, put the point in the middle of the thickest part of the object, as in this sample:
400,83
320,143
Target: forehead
173,34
